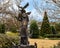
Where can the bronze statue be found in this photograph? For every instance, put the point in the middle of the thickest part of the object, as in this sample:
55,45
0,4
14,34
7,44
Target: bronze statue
23,18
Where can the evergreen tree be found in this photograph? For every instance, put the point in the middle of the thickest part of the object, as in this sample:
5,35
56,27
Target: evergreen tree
2,28
53,30
34,29
57,26
45,27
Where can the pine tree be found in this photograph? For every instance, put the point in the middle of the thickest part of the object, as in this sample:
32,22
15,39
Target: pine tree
34,29
45,27
53,30
57,27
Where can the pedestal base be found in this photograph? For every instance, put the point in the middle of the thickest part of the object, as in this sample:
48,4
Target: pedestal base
25,46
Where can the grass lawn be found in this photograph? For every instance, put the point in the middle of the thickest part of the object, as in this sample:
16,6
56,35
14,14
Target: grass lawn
44,43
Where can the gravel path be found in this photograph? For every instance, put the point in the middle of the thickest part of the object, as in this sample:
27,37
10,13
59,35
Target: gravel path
44,43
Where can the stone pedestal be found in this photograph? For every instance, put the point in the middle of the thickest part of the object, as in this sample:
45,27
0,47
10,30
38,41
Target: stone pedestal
25,46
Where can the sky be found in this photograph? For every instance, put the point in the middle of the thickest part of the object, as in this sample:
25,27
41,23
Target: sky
43,5
30,8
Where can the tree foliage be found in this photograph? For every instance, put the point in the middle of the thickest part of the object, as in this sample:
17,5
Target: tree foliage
13,29
53,30
8,12
2,28
34,29
45,27
7,41
57,26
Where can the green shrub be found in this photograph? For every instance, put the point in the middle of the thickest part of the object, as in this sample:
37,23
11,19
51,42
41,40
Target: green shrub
52,35
2,28
13,29
34,29
8,41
